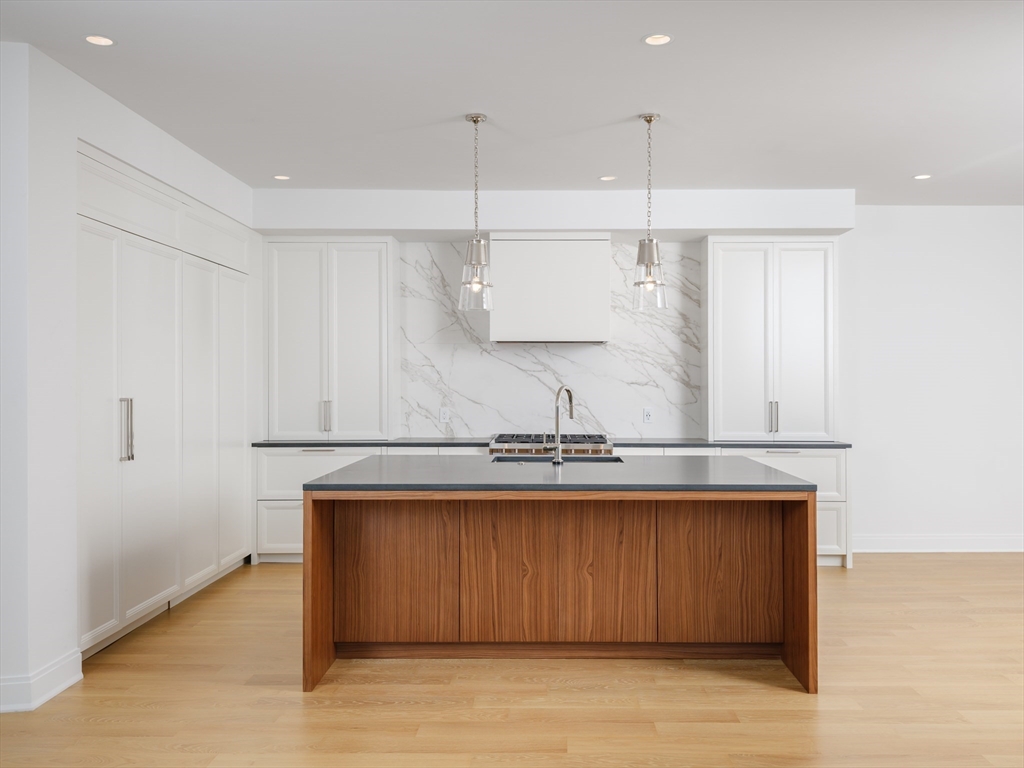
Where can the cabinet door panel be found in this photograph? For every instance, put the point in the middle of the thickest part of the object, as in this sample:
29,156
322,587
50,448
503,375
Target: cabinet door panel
199,456
803,341
279,527
396,572
509,573
720,572
298,340
358,330
150,276
608,579
234,451
741,274
101,431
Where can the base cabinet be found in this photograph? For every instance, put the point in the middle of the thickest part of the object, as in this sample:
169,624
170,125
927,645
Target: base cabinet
827,468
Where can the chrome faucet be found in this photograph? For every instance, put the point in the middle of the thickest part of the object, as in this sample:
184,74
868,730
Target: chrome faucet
557,459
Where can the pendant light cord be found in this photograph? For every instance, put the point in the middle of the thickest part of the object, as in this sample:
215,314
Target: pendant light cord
476,179
649,123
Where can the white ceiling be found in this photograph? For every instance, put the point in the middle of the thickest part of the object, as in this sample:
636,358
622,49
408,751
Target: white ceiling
757,95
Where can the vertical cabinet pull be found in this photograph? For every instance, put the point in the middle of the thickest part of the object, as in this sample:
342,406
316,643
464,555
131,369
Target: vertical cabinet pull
127,429
325,411
125,455
771,418
776,419
131,429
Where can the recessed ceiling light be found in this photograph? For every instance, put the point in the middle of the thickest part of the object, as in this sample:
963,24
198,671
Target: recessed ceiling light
657,39
282,178
99,40
923,176
609,178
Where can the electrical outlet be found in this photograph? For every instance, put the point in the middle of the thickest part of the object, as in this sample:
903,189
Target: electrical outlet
445,416
648,415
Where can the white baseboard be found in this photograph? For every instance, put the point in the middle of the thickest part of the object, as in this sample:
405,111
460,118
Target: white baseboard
205,583
938,543
22,693
282,558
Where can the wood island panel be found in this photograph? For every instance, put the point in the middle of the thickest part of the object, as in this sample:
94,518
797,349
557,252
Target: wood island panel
509,569
396,571
609,578
574,571
800,590
720,572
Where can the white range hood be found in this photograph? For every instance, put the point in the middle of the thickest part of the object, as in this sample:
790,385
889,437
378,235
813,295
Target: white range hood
551,286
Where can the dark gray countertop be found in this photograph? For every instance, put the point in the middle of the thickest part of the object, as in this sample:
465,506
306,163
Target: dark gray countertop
622,442
635,473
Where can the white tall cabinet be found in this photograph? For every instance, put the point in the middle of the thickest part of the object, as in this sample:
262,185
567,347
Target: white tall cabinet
163,456
770,318
329,364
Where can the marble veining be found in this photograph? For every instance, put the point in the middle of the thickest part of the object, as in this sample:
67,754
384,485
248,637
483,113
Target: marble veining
652,359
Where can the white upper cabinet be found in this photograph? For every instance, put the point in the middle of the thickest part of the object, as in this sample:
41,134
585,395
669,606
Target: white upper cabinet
359,335
299,340
117,194
771,329
329,363
742,341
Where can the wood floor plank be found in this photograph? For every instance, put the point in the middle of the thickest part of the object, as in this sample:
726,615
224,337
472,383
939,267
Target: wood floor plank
921,666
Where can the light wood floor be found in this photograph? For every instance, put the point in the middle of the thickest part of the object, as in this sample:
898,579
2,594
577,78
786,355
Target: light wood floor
922,664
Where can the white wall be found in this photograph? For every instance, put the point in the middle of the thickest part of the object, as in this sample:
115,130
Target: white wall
675,210
932,377
39,498
13,363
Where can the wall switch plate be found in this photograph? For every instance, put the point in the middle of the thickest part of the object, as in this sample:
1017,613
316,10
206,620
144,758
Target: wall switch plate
648,415
445,416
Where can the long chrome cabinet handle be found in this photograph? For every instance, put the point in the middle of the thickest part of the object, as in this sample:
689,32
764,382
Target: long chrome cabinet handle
123,405
782,450
317,450
776,416
131,429
327,415
771,423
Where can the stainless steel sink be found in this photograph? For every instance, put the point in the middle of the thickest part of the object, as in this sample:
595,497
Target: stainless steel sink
547,459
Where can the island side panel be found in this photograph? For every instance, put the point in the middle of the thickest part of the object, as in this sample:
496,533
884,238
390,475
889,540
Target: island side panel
720,572
396,571
800,590
317,589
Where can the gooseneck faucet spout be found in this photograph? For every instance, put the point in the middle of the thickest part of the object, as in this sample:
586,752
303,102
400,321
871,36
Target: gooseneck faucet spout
557,459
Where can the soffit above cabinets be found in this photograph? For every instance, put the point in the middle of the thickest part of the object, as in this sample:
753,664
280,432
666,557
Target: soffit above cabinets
551,287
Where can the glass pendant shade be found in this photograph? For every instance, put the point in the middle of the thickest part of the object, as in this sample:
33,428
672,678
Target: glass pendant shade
475,292
649,280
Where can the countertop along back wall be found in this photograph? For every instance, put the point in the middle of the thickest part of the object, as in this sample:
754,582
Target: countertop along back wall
652,360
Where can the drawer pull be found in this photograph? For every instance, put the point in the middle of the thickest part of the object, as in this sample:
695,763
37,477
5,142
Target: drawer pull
318,450
782,450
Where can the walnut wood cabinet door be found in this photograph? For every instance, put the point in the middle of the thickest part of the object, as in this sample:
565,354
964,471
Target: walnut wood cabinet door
558,572
720,572
396,572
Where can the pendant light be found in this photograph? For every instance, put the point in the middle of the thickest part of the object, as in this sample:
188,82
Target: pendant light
475,292
649,281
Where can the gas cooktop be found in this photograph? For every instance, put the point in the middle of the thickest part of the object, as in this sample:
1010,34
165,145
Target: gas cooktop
533,443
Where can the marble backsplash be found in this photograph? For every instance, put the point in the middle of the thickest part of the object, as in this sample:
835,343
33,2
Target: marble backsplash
651,361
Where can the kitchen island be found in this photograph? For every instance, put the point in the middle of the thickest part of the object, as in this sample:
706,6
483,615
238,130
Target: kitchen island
652,557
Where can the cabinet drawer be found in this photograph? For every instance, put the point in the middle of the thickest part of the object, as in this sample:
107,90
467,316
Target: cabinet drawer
464,450
823,467
831,529
638,451
279,527
693,451
282,471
